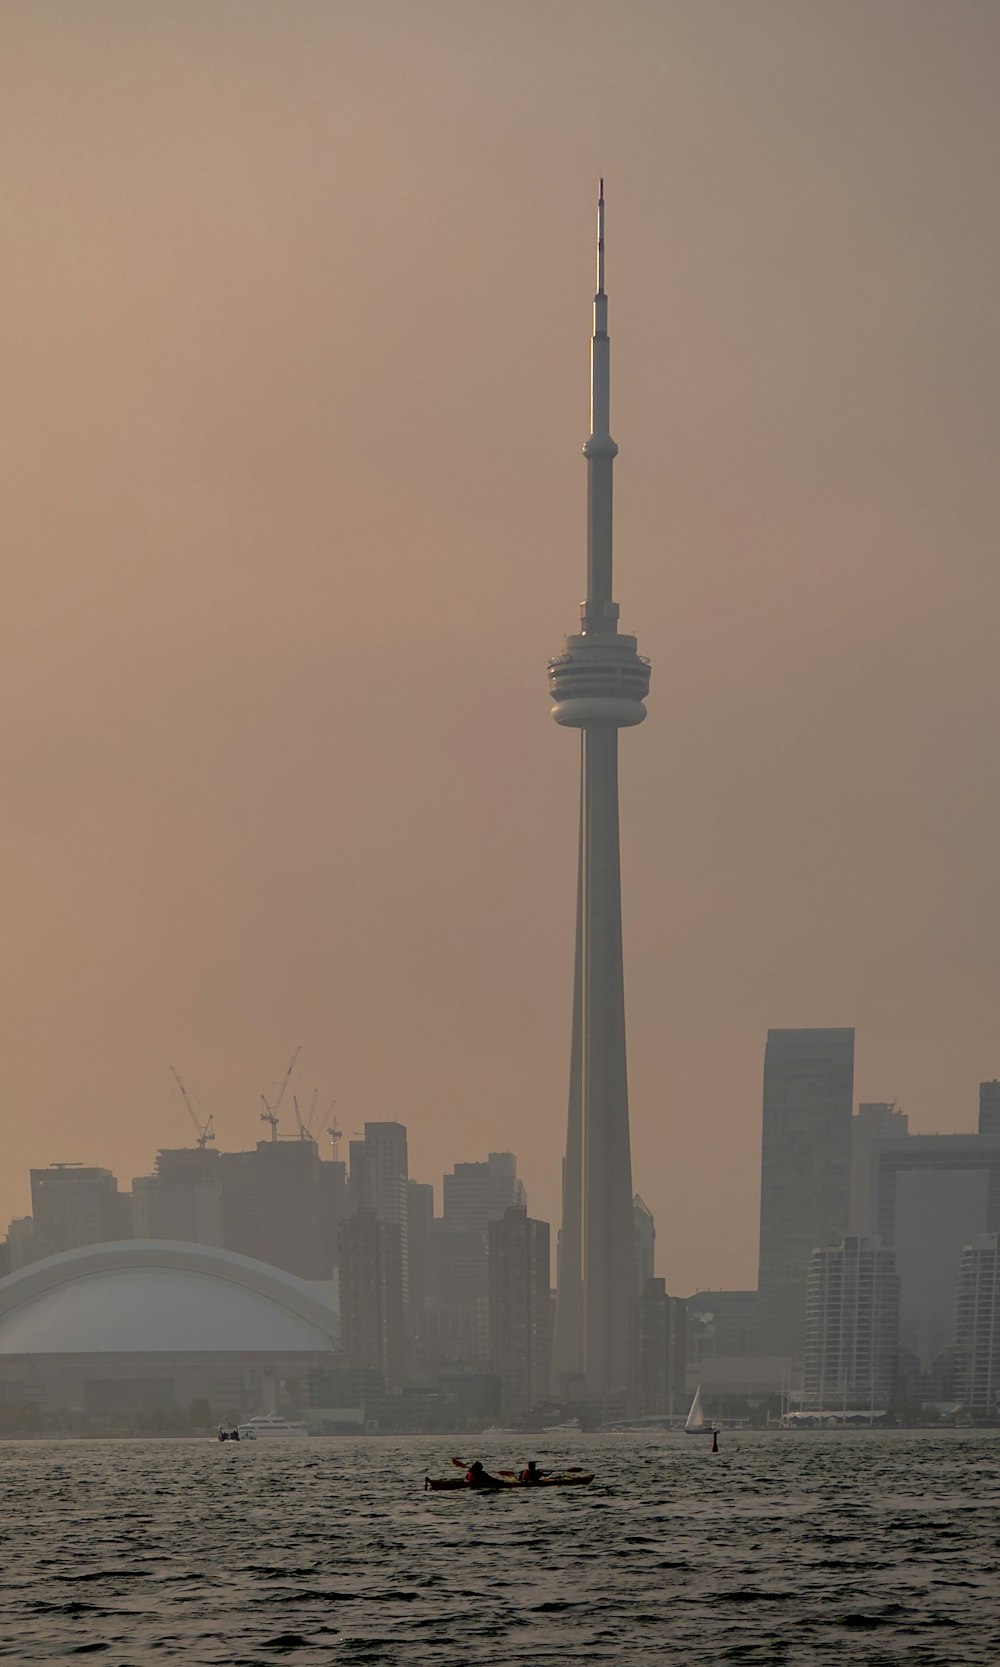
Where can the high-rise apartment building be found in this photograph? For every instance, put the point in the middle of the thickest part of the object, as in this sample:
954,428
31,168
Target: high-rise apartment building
182,1199
379,1181
75,1204
598,685
805,1172
371,1295
977,1326
520,1309
852,1326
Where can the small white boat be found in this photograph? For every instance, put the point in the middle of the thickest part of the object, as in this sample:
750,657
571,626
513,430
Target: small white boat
696,1423
571,1426
267,1424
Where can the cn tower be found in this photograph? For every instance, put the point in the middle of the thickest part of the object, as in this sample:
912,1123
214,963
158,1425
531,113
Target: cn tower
598,685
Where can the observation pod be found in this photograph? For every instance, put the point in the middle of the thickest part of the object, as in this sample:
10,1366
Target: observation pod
599,679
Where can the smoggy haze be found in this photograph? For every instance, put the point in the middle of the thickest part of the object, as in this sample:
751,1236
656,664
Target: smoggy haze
296,307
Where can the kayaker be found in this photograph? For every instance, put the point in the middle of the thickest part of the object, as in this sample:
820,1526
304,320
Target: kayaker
531,1473
477,1477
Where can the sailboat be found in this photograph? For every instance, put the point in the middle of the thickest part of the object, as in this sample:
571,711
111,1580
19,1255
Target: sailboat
696,1423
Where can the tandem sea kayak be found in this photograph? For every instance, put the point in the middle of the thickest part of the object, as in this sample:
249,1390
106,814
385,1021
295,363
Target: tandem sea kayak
558,1479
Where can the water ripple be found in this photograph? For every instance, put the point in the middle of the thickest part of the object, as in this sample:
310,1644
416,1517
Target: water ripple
810,1549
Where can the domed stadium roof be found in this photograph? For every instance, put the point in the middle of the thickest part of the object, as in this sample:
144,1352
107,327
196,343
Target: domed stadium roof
148,1296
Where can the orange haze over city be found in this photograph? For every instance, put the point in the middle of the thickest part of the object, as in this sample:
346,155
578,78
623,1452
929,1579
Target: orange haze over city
297,305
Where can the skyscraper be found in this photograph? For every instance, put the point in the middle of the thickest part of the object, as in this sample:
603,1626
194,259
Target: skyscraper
379,1180
805,1171
658,1375
370,1260
477,1193
520,1308
598,685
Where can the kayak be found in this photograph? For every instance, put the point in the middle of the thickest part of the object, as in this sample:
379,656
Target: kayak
558,1479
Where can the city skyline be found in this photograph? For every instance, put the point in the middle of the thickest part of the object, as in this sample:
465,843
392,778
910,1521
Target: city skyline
293,393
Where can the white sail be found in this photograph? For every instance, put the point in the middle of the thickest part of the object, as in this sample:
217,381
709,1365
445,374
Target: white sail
694,1423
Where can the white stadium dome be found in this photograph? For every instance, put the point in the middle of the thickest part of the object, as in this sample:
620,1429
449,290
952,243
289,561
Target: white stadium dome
161,1296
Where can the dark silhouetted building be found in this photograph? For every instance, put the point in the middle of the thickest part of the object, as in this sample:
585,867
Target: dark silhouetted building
371,1295
657,1380
805,1172
520,1309
989,1107
380,1180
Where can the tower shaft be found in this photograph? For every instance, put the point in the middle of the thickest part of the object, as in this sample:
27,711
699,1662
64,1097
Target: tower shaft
598,684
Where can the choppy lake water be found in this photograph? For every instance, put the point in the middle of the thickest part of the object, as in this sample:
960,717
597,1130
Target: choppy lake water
800,1548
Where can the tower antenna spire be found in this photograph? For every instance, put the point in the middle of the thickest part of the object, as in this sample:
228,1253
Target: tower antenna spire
600,240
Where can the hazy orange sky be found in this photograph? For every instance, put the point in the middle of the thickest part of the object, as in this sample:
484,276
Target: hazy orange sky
295,307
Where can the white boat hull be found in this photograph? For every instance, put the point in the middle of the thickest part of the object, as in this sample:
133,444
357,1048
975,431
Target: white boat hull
269,1429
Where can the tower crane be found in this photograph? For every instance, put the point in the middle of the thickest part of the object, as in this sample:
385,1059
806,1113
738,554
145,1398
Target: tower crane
334,1131
305,1124
206,1133
270,1112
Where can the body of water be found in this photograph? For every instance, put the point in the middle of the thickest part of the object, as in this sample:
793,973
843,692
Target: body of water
800,1548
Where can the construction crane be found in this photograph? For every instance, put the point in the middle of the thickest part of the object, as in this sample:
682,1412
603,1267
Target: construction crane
301,1122
206,1133
270,1112
305,1124
334,1131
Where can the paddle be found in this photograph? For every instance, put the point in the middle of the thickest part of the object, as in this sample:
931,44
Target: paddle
568,1469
